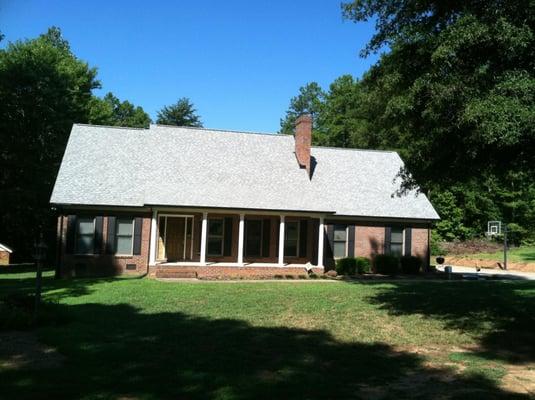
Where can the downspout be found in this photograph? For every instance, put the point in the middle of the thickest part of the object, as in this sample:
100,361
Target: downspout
150,236
59,245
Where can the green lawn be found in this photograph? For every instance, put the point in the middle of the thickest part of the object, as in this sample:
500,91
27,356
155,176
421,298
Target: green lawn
524,254
145,339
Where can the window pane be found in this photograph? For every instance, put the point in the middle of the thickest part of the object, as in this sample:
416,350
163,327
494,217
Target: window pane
254,235
84,244
215,246
84,238
396,249
340,232
86,226
339,249
215,227
124,227
396,235
290,248
124,245
253,247
292,230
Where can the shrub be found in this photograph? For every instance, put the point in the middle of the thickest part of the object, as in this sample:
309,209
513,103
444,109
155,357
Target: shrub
346,266
410,264
436,245
363,265
386,264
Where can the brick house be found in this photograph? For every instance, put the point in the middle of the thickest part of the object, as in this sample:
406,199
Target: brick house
5,253
205,202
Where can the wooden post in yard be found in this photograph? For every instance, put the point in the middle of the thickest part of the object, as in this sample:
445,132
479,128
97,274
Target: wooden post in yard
505,247
39,256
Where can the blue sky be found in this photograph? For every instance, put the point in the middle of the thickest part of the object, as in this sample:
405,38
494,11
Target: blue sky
240,62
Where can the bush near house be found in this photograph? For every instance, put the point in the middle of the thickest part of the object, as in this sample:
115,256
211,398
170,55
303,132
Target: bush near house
410,264
351,266
346,266
363,265
386,264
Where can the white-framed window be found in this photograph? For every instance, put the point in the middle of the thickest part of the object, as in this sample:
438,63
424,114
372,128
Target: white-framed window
340,241
396,241
291,239
124,236
216,236
85,235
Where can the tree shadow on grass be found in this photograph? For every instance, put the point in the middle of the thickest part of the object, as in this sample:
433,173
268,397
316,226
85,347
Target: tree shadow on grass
116,351
501,314
26,285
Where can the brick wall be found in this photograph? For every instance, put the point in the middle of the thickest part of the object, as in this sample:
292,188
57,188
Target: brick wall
419,243
217,272
369,241
370,238
72,265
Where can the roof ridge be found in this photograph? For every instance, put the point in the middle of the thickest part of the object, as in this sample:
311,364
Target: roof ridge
111,126
271,134
354,149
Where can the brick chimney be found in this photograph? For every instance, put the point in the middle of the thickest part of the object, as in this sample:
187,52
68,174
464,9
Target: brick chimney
303,140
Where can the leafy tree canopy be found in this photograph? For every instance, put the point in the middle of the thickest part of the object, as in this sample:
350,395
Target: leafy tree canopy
310,100
109,110
454,93
458,84
182,113
44,88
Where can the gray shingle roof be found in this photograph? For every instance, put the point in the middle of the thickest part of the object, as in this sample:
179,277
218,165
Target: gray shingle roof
176,166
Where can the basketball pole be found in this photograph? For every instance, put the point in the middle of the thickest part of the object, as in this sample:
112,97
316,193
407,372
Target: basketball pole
505,247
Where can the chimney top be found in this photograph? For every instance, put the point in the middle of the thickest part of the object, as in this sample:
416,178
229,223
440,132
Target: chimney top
303,141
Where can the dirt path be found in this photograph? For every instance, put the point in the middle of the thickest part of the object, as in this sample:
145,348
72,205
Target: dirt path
484,263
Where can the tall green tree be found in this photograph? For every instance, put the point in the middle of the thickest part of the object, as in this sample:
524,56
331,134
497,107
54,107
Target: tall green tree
111,111
339,116
309,100
454,92
345,118
182,113
458,84
44,88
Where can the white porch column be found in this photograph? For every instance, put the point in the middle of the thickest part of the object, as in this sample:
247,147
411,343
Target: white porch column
153,236
204,227
241,229
321,234
281,241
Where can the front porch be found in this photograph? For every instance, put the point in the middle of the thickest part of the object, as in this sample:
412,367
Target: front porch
222,270
223,240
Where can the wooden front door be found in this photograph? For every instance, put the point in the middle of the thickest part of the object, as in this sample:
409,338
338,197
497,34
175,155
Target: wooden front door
175,239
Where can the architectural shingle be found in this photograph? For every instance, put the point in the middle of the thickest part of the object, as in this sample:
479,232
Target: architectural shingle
174,166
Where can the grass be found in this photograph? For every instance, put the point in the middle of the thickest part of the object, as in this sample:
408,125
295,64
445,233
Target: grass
524,254
145,339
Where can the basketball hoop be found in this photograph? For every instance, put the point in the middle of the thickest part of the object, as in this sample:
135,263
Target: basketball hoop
494,228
